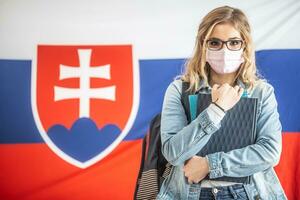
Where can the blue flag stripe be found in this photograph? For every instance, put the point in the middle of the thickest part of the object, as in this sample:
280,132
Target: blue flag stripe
279,67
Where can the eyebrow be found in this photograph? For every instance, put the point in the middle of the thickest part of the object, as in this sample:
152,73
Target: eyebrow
228,39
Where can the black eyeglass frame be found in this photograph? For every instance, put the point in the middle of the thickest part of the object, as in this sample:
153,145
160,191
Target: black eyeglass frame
226,43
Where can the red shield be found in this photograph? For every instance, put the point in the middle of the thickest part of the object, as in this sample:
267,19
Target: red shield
84,99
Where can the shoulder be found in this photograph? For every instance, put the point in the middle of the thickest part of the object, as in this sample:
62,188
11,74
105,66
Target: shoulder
264,85
173,93
175,87
263,89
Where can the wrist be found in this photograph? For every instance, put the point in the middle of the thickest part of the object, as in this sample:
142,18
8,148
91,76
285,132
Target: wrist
219,106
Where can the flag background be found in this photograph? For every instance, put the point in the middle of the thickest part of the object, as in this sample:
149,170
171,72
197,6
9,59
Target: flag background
162,34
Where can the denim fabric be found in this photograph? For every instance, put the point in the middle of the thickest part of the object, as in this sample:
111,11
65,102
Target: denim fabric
236,192
181,141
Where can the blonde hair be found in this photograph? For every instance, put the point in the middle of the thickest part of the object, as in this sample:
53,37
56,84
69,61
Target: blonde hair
196,68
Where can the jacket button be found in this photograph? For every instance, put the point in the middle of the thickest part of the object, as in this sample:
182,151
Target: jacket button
215,190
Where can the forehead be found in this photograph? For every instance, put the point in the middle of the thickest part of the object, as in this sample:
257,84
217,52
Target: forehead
224,32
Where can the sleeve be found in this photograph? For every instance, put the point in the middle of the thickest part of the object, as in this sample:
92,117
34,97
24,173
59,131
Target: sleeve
265,153
179,140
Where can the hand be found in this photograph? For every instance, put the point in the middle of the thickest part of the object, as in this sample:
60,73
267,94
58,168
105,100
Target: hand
196,169
226,96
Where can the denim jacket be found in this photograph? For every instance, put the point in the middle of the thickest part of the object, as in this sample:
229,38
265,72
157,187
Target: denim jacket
181,141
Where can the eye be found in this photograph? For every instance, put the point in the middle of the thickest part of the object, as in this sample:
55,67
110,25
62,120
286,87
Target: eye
214,43
235,42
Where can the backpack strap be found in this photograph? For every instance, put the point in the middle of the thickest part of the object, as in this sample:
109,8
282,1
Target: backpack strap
142,164
189,101
185,99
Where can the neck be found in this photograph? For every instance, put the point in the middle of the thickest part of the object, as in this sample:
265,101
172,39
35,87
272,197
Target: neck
220,79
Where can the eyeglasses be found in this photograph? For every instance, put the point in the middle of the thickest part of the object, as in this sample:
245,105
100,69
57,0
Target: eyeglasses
217,44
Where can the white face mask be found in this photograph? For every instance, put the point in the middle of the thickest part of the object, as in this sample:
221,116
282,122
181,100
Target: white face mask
224,61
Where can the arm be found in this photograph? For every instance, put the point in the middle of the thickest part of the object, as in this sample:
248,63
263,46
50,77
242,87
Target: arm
179,140
264,154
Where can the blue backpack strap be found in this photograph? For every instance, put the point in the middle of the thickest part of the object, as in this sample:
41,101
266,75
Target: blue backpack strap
193,100
245,94
189,102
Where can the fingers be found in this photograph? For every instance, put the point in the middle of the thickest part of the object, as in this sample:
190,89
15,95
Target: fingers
190,181
193,180
215,86
236,88
226,86
188,176
227,96
240,92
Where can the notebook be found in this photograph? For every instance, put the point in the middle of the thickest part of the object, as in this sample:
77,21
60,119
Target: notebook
238,130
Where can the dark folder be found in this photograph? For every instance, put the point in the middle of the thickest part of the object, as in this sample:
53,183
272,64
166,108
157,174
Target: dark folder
238,130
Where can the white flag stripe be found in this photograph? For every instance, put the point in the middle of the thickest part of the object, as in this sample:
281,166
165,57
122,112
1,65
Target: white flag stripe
157,29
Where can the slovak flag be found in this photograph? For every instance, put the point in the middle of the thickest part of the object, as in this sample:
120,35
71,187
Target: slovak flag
80,82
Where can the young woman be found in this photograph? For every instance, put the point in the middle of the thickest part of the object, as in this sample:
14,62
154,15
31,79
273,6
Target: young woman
223,64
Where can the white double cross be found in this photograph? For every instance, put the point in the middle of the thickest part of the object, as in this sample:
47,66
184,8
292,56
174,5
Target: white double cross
84,93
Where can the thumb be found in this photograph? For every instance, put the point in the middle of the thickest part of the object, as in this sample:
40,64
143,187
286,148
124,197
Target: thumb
215,86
